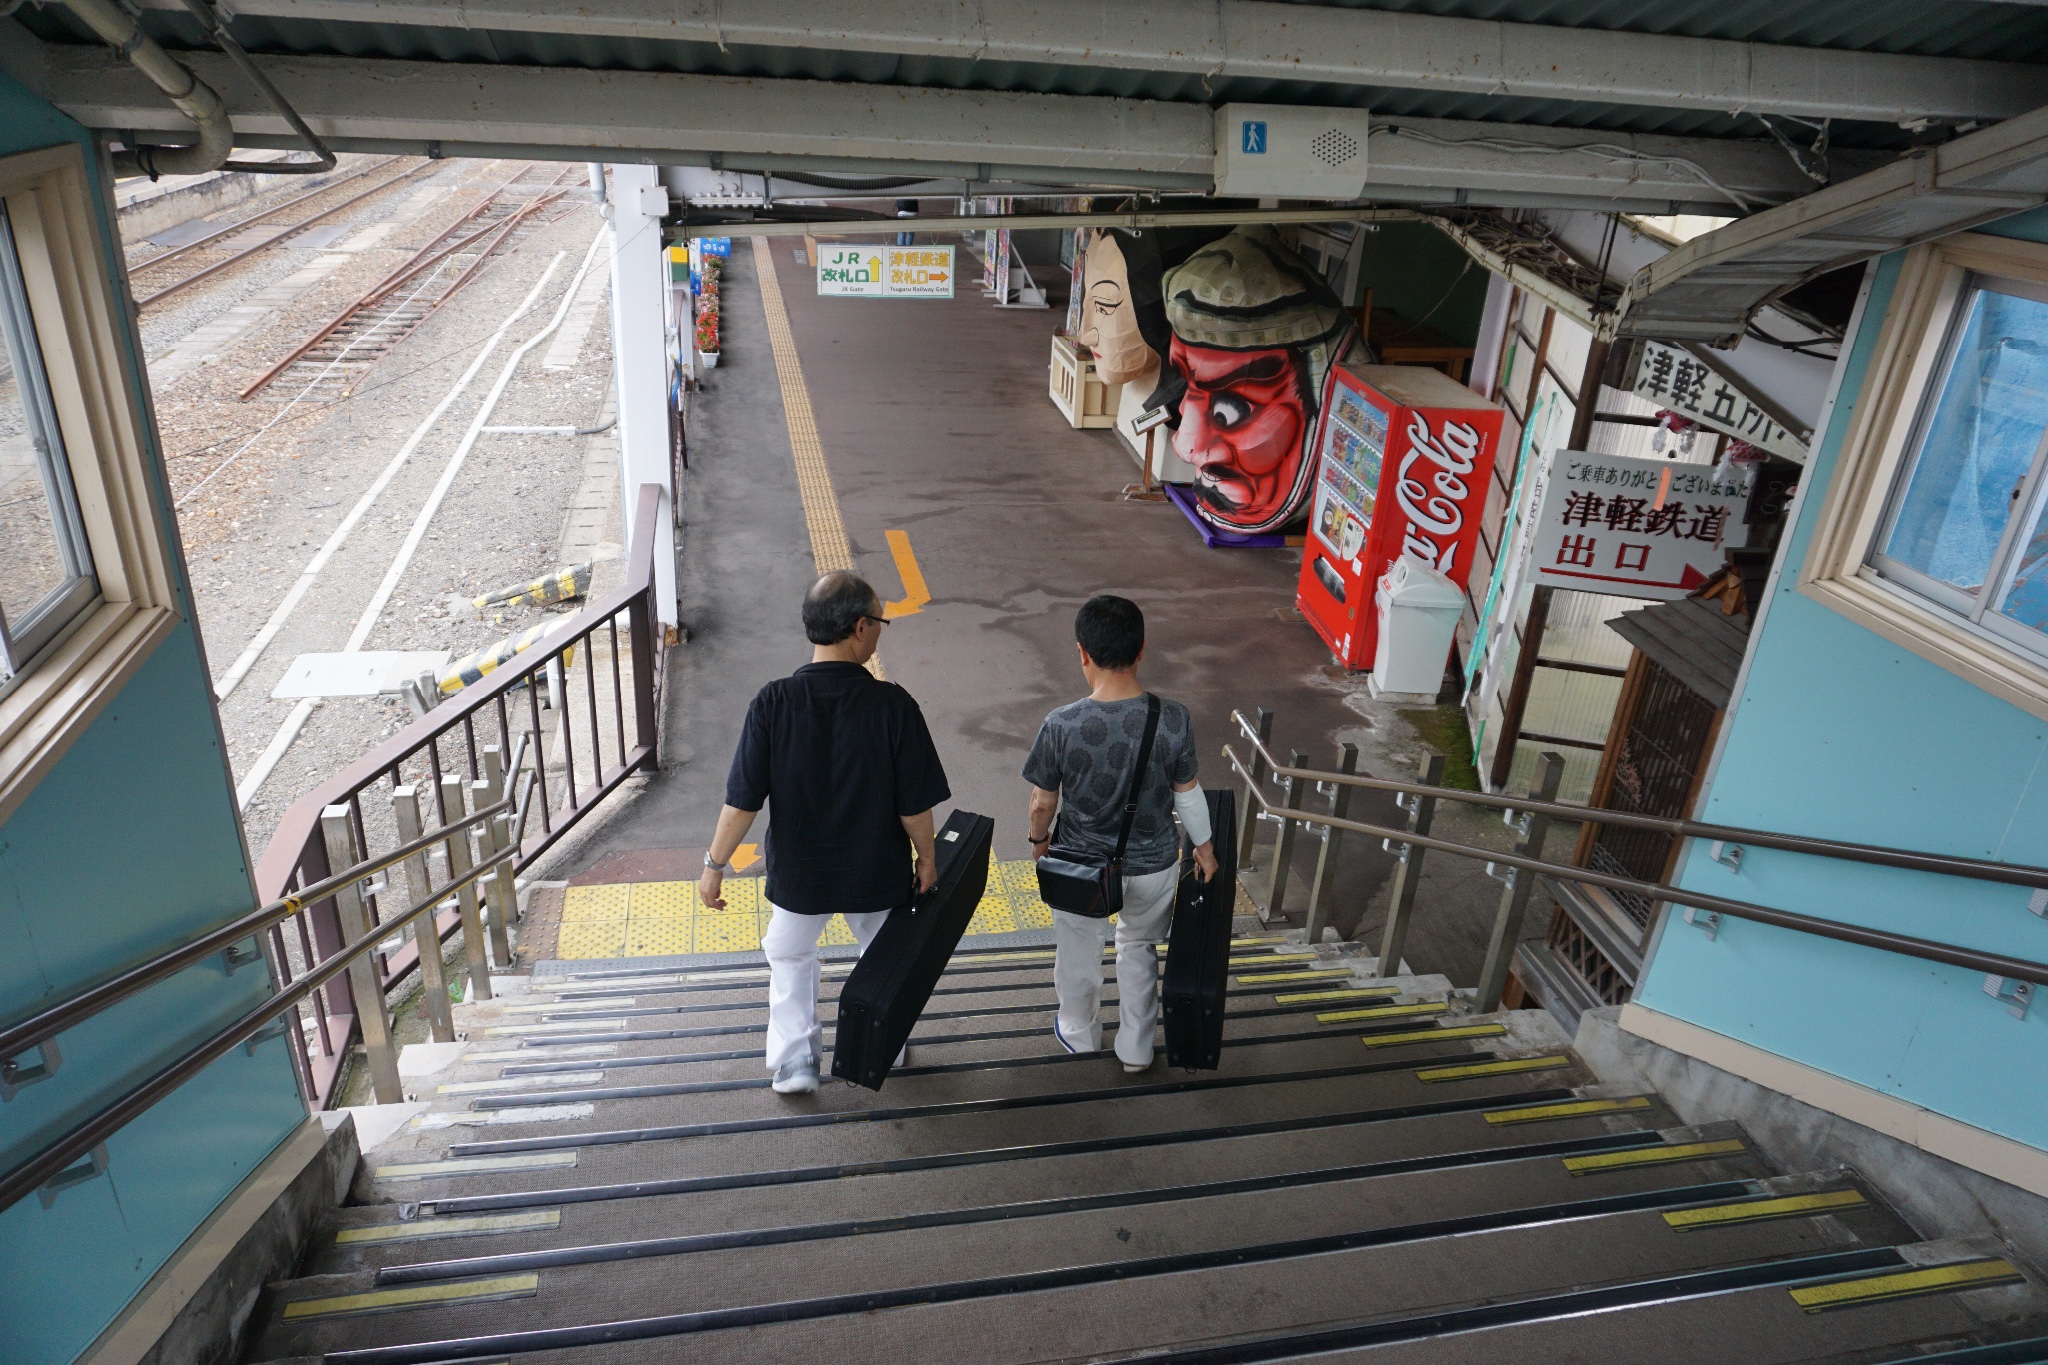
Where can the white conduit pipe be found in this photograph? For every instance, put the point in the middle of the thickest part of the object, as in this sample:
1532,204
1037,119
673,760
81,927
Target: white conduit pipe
247,660
194,98
294,722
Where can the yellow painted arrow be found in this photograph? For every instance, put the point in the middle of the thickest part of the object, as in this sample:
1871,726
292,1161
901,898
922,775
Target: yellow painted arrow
745,856
915,594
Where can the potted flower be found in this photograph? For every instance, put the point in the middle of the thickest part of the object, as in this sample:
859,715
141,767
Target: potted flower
707,339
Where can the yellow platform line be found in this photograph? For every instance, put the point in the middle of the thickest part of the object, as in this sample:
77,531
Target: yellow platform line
1759,1210
1908,1284
1382,1012
1570,1109
1434,1035
830,548
1652,1156
1431,1075
1354,993
415,1296
476,1165
421,1229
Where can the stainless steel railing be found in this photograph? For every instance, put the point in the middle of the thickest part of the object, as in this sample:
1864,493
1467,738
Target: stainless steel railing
1531,816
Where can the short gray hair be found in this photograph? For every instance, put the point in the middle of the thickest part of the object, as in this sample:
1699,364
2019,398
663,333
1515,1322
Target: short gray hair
835,605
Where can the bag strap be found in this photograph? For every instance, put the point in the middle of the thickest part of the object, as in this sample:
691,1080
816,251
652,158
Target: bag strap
1123,835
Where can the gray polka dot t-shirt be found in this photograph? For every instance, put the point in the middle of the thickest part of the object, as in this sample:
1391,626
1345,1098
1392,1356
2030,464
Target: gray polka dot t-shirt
1085,750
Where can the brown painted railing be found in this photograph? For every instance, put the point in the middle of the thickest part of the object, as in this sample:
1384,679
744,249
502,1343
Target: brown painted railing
587,697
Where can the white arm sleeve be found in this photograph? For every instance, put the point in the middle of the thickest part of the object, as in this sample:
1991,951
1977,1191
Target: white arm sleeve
1193,809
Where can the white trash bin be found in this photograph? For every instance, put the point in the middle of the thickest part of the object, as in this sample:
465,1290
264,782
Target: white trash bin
1418,614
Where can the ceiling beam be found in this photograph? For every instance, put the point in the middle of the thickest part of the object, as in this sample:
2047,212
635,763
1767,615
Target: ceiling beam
1263,40
747,123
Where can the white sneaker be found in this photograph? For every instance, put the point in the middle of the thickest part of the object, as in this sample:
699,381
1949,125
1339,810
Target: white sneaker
902,1057
1138,1068
799,1077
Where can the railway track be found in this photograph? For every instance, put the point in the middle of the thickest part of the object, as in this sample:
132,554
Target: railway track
264,232
326,365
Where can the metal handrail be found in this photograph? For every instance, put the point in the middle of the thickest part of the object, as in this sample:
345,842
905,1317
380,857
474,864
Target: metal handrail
1978,869
1992,964
56,1157
38,1028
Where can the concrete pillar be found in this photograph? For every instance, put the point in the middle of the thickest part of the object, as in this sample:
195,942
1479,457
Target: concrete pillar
639,344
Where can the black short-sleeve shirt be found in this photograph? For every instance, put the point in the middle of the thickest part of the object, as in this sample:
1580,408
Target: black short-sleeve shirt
839,756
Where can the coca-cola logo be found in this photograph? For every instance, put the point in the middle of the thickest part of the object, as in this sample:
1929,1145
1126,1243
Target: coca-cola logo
1435,510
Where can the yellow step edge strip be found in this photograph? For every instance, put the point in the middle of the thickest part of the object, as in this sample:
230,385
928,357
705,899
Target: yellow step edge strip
1652,1156
1509,1067
476,1165
1274,978
1434,1035
1940,1279
1261,959
420,1229
1355,993
1382,1012
1570,1109
1758,1210
415,1296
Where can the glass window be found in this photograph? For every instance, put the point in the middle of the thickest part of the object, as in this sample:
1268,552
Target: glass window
1974,478
46,575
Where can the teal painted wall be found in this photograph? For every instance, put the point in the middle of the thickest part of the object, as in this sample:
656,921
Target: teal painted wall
129,845
1840,733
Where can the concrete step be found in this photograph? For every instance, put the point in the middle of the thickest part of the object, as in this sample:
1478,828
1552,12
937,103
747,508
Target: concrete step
1066,1286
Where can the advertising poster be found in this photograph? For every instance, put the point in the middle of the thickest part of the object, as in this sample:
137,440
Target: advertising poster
1652,529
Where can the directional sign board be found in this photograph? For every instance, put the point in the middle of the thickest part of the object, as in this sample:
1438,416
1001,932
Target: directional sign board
1634,528
1677,380
870,271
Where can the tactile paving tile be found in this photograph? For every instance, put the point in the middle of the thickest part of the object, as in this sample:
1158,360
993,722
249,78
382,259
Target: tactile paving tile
742,896
836,934
657,936
663,900
591,938
992,916
725,933
595,903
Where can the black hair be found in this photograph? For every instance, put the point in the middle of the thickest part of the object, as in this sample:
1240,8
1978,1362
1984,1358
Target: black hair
835,605
1111,629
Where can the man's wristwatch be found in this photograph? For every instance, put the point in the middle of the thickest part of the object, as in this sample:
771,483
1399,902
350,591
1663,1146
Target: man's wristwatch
712,864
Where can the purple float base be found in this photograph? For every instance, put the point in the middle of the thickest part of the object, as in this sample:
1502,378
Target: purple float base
1179,495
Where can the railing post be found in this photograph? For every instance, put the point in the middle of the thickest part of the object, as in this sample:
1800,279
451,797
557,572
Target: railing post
1248,830
426,930
493,885
1514,902
1322,892
501,827
1283,845
1421,812
372,1015
642,624
459,864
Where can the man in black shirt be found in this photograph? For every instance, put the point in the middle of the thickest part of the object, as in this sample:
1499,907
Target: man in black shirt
849,766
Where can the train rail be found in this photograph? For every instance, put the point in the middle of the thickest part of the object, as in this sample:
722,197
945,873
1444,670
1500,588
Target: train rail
325,365
279,234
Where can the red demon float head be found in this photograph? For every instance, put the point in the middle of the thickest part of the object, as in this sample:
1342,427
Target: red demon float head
1254,332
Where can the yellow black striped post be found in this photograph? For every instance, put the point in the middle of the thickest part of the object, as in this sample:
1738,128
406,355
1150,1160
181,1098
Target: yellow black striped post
559,586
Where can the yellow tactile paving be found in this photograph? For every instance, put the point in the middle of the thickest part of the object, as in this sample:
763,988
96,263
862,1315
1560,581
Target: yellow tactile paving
659,919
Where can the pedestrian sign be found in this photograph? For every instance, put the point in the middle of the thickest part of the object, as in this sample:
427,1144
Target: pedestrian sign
872,271
1254,137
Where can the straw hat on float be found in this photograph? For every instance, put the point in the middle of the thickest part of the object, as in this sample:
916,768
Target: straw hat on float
1249,292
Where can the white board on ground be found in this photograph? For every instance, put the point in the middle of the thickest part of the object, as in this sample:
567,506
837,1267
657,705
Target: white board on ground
361,673
869,271
1653,529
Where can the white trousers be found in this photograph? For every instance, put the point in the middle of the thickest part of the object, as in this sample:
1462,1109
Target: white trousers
791,945
1077,968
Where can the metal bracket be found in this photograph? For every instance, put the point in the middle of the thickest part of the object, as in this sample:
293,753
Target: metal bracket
1408,801
1399,849
1518,821
2016,996
2038,902
1504,875
1726,854
236,955
1708,921
14,1077
276,1028
92,1168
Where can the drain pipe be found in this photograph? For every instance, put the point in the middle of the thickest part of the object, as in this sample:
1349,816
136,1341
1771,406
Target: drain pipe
214,21
195,99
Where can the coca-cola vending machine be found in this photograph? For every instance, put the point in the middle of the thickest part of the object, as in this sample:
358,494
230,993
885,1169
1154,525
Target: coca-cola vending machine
1404,454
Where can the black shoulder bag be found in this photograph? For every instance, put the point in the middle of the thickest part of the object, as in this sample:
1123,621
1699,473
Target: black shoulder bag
1095,890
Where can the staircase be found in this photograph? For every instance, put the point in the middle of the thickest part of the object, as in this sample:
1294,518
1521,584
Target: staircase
605,1177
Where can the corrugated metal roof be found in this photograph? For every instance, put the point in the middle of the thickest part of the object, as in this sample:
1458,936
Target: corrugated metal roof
1961,28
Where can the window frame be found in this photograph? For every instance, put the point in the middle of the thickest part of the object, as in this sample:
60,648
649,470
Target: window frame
86,338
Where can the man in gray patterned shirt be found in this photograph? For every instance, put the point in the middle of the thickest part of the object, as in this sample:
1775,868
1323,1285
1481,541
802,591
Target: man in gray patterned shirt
1080,769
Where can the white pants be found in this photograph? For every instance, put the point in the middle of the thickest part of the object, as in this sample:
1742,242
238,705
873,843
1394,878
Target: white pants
791,945
1077,968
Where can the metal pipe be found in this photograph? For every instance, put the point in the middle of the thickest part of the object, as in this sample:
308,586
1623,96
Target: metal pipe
2011,874
1992,964
194,98
20,1037
216,24
551,431
31,1174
